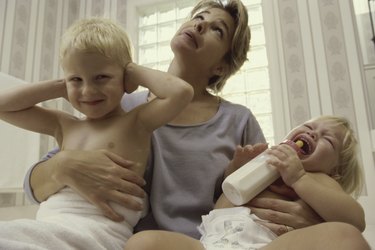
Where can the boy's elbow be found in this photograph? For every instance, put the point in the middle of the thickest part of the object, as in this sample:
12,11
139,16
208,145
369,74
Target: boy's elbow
186,92
362,225
189,92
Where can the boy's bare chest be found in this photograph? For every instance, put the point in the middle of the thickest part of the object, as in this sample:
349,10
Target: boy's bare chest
118,135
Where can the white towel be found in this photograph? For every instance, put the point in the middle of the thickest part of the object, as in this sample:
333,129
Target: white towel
66,221
39,235
233,228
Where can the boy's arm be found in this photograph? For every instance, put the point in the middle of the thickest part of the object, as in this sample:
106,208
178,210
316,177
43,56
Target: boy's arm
172,95
18,106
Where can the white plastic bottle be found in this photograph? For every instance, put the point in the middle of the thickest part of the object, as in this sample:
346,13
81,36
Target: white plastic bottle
252,178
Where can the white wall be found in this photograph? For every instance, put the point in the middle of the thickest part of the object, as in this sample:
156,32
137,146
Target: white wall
18,148
317,65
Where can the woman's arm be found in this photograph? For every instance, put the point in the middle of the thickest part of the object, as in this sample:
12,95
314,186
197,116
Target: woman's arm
279,213
26,181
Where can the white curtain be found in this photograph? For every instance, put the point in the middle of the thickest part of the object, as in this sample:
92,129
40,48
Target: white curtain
18,148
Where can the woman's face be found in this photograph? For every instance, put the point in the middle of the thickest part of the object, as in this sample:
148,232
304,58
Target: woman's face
204,40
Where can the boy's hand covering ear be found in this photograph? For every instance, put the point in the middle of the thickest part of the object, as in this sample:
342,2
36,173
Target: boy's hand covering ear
64,93
129,86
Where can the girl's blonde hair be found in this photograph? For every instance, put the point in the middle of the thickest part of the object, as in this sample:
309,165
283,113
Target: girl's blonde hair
98,35
237,53
349,170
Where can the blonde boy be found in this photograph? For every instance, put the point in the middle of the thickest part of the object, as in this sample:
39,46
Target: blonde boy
96,59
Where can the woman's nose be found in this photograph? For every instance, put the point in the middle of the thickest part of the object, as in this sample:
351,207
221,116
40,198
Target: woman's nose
199,26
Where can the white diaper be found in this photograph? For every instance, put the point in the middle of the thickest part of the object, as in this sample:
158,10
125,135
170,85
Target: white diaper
233,228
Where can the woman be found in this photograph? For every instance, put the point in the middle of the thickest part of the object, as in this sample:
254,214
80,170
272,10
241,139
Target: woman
189,155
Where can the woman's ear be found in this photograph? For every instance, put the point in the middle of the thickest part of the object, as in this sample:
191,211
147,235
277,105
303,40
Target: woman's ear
220,70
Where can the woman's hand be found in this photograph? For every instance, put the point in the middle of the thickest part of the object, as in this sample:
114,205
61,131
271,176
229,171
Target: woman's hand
282,215
100,177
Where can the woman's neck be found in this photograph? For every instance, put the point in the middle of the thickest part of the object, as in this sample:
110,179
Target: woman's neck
204,105
194,78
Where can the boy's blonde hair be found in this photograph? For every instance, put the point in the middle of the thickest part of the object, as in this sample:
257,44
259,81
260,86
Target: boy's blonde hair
240,44
98,35
348,169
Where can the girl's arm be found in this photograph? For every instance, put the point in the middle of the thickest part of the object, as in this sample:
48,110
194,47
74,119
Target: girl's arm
172,95
329,200
322,193
18,106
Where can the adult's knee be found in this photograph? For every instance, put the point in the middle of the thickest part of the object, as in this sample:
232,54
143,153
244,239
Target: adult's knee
144,240
342,229
348,235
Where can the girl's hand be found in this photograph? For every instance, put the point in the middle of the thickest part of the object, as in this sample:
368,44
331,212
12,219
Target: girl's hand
286,161
242,155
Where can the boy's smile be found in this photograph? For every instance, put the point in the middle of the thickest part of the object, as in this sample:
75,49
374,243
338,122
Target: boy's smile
94,83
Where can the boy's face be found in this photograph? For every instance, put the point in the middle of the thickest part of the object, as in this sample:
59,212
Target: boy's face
94,83
322,143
